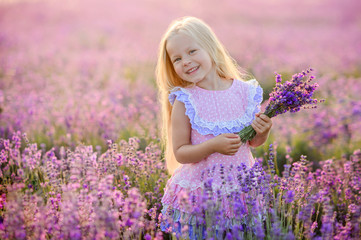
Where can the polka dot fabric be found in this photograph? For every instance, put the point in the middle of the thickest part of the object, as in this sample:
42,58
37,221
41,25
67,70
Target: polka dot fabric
212,113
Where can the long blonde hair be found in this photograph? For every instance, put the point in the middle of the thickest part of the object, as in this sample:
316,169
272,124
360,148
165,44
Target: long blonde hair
167,79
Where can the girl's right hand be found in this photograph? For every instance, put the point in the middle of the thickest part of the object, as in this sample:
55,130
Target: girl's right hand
227,143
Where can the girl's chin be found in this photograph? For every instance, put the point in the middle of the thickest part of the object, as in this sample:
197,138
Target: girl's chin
194,81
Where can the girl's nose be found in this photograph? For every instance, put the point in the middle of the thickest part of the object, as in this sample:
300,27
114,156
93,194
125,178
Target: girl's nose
186,62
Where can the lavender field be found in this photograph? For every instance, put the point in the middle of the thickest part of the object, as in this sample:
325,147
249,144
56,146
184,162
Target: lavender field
80,154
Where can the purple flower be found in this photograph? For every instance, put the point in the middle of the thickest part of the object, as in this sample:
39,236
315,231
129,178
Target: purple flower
259,230
292,95
290,236
289,197
287,97
229,236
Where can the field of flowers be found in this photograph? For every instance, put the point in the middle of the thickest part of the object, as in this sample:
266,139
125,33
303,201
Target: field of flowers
80,154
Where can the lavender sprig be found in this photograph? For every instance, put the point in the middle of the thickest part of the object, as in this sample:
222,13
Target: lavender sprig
289,96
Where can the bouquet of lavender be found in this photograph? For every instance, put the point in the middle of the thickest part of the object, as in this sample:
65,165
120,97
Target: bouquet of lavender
288,96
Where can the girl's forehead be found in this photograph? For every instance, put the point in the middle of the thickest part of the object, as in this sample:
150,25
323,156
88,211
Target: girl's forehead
179,42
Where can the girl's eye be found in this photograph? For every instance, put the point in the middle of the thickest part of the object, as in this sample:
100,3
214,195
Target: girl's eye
192,51
176,60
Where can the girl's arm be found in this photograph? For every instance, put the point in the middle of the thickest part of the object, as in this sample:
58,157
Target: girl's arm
262,125
185,152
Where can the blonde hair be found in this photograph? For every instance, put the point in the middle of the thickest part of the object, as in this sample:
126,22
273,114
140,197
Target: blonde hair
226,67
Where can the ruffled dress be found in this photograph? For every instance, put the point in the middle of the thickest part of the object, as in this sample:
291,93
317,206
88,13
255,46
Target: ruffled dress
211,113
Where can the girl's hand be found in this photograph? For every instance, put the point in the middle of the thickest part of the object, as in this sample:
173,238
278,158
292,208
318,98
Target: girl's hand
262,124
227,143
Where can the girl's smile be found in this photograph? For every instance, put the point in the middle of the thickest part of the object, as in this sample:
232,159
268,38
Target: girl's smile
192,70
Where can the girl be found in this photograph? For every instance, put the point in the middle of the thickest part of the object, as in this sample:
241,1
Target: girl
205,102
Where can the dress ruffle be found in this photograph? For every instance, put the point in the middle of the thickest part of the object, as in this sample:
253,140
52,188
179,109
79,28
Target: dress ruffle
204,127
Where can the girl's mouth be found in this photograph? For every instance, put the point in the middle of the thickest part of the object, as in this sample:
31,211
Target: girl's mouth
192,70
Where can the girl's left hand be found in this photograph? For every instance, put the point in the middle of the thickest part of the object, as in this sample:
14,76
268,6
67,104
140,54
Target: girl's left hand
262,124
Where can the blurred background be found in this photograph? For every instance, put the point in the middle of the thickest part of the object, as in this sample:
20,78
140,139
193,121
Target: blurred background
76,71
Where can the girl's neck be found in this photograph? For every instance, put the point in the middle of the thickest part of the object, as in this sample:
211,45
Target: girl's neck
215,83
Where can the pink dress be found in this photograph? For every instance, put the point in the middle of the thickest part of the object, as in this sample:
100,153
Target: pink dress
212,113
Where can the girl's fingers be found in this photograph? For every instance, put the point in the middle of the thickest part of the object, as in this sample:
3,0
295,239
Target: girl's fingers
234,149
255,127
265,118
235,141
239,144
231,135
260,122
261,128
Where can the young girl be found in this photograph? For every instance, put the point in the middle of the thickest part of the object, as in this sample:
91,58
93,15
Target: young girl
206,102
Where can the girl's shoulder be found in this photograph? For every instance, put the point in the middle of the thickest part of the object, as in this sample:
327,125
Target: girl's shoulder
252,89
180,93
251,83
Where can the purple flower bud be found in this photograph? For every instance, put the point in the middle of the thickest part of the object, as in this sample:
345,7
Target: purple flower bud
289,197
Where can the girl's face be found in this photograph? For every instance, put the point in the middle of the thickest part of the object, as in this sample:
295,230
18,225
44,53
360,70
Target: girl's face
191,62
